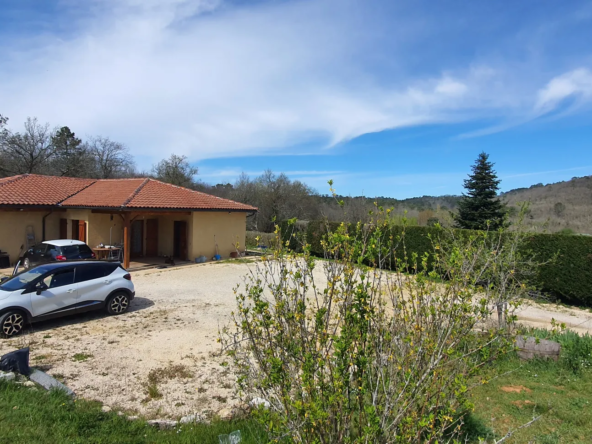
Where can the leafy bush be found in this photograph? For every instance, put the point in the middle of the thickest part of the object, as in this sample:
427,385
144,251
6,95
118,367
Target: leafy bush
566,270
352,353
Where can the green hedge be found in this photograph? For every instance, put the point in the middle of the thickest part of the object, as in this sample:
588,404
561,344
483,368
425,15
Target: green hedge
569,277
566,275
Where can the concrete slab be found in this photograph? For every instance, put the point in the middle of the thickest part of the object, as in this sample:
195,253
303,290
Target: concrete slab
48,382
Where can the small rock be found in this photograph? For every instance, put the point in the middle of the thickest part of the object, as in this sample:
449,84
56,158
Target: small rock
256,402
226,414
7,376
163,424
189,419
133,418
106,409
29,384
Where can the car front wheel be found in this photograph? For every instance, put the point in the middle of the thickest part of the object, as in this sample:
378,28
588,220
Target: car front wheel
11,323
118,303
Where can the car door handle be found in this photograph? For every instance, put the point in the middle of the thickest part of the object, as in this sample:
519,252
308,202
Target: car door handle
71,290
107,281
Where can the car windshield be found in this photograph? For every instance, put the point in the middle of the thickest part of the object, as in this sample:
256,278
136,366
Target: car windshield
76,251
20,281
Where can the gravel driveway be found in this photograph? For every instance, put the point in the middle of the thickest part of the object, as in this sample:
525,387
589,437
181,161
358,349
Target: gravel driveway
160,359
171,330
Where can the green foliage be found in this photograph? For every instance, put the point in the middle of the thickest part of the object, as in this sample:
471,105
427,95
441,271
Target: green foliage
480,208
576,350
568,271
559,208
433,221
566,261
345,351
543,387
71,158
39,417
255,238
567,232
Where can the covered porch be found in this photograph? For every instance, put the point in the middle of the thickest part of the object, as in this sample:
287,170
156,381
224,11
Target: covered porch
141,239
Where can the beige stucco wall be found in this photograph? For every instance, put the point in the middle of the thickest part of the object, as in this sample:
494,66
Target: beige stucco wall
229,228
13,226
166,233
99,226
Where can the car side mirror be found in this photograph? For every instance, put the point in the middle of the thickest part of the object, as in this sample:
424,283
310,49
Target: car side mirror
41,287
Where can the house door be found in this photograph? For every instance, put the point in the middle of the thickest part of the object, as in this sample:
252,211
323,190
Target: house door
180,240
82,230
152,237
74,229
63,228
78,230
137,247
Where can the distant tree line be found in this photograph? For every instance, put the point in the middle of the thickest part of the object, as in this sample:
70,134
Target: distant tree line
39,149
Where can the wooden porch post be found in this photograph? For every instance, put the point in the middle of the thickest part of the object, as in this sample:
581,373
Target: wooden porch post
126,239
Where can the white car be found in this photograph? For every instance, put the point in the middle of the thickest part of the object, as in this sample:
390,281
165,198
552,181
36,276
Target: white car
60,289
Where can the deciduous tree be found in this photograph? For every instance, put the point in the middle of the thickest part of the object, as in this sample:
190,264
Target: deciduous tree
26,152
175,170
112,159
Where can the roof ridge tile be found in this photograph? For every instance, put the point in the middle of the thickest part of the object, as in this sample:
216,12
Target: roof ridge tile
78,191
135,193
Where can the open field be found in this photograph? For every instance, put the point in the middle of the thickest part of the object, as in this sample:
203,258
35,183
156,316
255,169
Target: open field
160,359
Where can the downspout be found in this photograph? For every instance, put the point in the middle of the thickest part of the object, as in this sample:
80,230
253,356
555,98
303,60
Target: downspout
43,225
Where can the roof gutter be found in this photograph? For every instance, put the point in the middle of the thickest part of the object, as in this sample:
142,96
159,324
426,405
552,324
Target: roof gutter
43,225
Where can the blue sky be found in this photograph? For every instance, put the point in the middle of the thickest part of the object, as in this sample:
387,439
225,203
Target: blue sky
385,97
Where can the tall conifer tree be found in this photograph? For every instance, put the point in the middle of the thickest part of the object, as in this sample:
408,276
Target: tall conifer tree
480,207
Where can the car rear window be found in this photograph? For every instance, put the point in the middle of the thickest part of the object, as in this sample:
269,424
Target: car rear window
110,267
89,272
76,251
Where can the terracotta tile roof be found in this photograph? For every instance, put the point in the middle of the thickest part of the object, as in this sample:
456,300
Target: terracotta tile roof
112,193
32,189
156,194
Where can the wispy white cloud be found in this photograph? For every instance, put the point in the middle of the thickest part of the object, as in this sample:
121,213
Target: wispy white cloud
576,84
207,79
543,173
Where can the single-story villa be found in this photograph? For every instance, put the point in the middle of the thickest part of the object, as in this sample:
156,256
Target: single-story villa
147,217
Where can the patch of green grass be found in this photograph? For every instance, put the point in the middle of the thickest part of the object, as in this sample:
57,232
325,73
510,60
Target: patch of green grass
576,350
158,375
81,357
38,417
152,392
178,371
523,389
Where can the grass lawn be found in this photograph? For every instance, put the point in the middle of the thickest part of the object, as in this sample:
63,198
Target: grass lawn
562,396
31,417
